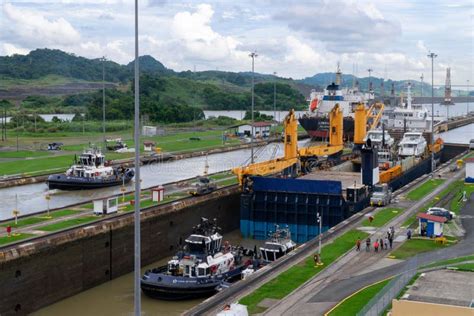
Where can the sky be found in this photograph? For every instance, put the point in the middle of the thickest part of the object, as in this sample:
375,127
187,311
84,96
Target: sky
295,39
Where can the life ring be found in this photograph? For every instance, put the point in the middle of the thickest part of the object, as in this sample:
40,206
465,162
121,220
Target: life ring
97,173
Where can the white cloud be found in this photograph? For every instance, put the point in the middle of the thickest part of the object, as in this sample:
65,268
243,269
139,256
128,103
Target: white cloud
33,28
10,49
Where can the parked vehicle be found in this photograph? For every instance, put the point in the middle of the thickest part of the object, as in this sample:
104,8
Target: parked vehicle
439,211
471,144
381,195
55,146
204,186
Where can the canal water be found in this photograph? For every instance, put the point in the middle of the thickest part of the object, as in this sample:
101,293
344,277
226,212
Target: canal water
30,198
116,297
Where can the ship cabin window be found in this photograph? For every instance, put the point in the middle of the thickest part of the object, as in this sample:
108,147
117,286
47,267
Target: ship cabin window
186,271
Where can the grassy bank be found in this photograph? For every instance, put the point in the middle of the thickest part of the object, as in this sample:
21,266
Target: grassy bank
38,219
295,276
382,217
354,303
68,223
421,191
449,261
6,240
413,247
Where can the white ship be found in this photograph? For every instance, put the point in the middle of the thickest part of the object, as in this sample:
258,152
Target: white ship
412,144
408,116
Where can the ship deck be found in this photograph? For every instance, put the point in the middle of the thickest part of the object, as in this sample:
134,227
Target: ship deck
347,178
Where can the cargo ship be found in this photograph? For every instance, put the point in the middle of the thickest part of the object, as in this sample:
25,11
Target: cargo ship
316,121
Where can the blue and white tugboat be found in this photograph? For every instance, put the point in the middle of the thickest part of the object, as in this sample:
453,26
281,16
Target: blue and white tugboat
199,270
90,172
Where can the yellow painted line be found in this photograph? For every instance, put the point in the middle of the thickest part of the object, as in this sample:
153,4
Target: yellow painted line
353,294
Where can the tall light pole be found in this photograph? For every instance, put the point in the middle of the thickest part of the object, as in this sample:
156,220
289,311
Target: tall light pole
467,108
421,78
103,103
432,56
274,97
252,55
319,218
137,277
370,83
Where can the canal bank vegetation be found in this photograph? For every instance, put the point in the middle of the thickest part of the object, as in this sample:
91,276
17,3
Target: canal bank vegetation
421,191
416,246
286,282
356,301
382,217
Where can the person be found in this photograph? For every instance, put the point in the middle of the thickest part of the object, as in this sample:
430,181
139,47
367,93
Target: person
376,245
392,231
381,244
358,244
385,242
9,231
409,234
367,244
390,241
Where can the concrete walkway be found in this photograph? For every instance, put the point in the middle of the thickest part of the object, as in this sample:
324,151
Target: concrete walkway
355,270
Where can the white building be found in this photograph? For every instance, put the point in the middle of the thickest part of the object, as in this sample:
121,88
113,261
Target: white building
469,170
261,129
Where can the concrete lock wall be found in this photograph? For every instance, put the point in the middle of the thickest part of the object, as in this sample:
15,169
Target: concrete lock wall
45,271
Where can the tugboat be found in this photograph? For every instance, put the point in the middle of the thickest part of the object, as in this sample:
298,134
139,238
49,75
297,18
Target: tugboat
199,270
278,245
90,173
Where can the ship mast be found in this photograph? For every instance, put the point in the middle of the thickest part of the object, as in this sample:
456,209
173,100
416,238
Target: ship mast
338,74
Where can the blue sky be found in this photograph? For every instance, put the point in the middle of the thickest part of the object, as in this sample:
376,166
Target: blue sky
293,38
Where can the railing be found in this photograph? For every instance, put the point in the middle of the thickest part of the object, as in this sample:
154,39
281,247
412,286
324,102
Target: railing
379,303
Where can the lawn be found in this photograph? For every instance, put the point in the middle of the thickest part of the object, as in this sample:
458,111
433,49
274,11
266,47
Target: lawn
449,261
34,165
465,267
38,219
228,182
68,223
295,276
421,191
415,246
6,240
456,203
382,217
23,154
354,304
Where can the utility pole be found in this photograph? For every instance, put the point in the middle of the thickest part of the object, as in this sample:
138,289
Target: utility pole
432,56
137,263
421,78
253,55
103,103
467,109
274,98
370,79
319,219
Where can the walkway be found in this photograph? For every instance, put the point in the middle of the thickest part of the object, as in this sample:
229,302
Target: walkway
355,270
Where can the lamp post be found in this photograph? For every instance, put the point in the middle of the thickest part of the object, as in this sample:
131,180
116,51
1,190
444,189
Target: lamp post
103,102
319,218
274,97
422,86
467,106
432,56
252,55
48,197
137,261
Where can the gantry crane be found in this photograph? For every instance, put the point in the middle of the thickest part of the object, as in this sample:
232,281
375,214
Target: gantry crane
366,120
289,160
293,157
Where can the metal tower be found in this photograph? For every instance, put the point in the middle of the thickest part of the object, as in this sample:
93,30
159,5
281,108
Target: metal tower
447,87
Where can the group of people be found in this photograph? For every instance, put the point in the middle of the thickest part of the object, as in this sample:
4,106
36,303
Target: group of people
379,243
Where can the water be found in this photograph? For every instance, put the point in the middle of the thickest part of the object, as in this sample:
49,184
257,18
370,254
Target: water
460,135
31,197
116,297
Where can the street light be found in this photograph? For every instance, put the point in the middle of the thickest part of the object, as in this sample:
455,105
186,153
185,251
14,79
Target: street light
252,55
319,219
103,102
432,56
422,87
467,109
274,97
137,261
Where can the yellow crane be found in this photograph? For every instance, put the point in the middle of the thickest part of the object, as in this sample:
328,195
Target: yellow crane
362,115
309,155
294,157
289,160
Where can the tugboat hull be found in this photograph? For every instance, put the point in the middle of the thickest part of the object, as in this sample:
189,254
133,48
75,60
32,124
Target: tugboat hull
68,183
158,285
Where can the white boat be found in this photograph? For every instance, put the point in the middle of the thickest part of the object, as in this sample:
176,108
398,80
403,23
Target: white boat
408,116
278,245
384,143
412,144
